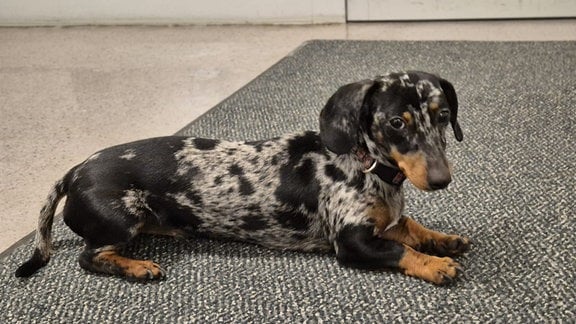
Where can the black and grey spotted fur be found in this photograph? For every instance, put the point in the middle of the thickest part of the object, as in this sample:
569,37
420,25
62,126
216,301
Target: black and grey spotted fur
304,191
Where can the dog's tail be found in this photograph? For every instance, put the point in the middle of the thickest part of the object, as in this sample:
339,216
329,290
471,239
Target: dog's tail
43,239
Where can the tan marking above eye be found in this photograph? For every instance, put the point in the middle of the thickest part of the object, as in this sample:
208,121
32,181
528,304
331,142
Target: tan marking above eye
380,137
407,117
433,106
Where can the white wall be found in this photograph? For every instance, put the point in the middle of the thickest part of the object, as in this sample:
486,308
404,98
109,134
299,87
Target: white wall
79,12
82,12
386,10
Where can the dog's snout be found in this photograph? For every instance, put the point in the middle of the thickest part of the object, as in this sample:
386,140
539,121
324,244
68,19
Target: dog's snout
439,178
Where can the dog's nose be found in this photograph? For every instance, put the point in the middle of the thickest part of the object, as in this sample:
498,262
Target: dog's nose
439,178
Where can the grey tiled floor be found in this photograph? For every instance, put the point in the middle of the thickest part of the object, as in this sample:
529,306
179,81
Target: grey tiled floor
66,92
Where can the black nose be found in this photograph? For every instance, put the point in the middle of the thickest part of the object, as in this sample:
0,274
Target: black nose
439,178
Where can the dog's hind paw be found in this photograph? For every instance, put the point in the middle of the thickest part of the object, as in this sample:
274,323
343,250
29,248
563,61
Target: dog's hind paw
144,270
109,262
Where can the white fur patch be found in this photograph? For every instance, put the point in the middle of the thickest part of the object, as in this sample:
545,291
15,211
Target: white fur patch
93,157
128,154
135,201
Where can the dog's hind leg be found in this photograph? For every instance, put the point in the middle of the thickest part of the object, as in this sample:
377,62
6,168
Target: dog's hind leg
108,220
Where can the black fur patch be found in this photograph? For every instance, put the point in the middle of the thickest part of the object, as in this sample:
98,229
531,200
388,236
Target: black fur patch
293,220
245,187
254,223
258,146
155,163
32,265
205,144
358,181
334,173
299,236
274,160
195,197
235,170
176,215
192,172
254,208
262,144
307,143
298,185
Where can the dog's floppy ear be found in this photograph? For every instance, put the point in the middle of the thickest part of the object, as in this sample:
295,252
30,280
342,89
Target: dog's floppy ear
450,94
340,118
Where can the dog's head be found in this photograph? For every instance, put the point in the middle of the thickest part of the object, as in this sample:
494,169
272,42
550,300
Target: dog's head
399,118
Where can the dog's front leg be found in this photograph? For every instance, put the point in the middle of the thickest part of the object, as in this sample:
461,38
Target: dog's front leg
357,246
413,234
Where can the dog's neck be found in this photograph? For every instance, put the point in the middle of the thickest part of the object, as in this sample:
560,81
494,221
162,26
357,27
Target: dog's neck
389,174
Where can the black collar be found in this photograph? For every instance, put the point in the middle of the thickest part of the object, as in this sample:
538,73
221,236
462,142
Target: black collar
391,175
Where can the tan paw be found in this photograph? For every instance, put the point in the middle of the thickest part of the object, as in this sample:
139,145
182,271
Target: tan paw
430,268
143,270
440,271
446,245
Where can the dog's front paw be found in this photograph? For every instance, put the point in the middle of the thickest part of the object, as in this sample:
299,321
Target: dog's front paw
434,269
440,271
447,245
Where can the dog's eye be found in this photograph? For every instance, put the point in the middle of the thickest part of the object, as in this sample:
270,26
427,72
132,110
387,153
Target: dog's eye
444,116
397,123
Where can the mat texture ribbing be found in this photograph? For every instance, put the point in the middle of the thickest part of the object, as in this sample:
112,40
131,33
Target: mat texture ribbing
513,194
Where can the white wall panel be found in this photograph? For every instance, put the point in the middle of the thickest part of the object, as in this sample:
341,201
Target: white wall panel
383,10
74,12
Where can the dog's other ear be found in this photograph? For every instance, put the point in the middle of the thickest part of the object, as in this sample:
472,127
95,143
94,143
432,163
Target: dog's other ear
450,94
340,118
